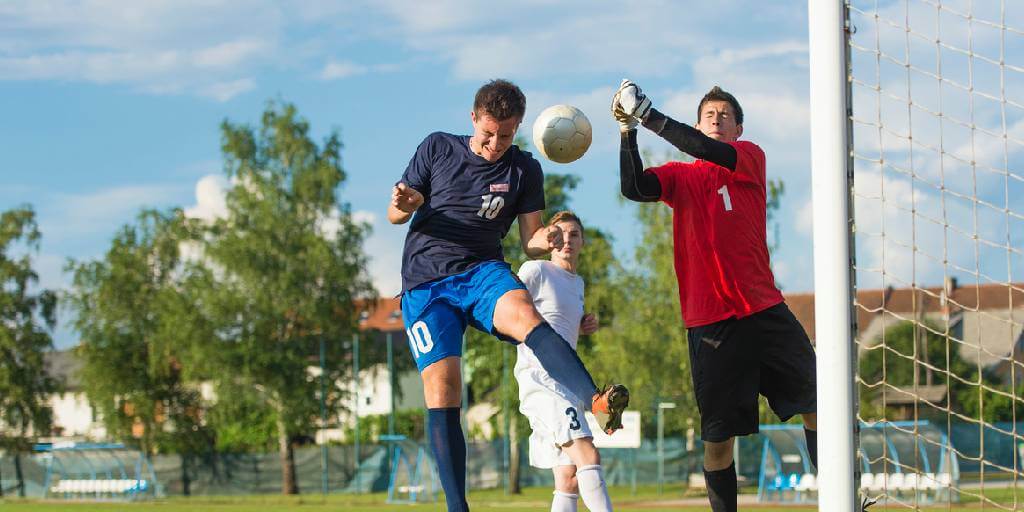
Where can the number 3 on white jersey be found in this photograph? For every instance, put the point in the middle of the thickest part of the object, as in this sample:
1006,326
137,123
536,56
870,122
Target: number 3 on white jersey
419,339
724,192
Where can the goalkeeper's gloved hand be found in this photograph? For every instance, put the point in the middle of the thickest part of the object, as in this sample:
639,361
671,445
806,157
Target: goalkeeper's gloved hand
626,121
633,101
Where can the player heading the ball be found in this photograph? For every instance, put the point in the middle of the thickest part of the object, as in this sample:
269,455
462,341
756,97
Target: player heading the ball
462,193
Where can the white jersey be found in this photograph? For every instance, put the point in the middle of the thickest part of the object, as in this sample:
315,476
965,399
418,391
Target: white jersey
558,296
556,415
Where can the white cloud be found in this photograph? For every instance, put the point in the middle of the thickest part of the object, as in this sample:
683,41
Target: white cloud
210,202
203,47
335,70
383,247
90,214
364,217
230,53
224,91
543,40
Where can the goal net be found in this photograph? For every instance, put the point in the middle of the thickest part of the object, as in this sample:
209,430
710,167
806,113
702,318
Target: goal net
936,143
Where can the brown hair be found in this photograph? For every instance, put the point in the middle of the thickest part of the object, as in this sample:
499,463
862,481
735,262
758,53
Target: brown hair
500,99
717,94
565,216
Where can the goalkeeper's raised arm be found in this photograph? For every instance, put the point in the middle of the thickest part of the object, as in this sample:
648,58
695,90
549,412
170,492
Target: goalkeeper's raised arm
715,128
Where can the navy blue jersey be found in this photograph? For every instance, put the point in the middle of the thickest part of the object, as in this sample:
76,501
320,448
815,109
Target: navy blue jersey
469,205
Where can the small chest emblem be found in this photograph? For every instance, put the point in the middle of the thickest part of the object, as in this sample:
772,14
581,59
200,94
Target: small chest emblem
499,187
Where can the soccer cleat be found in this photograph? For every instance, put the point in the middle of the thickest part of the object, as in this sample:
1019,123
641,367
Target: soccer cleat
608,406
867,502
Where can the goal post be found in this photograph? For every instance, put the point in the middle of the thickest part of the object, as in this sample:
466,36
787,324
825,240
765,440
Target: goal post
830,175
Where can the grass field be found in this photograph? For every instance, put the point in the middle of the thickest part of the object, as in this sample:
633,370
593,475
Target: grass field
532,499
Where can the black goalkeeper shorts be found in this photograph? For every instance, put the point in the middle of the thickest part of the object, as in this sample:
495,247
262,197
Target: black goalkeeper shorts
734,360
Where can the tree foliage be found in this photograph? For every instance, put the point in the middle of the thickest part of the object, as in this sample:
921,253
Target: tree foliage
281,271
135,322
26,317
910,354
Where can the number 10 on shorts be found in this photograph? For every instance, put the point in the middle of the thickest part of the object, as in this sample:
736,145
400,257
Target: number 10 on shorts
419,339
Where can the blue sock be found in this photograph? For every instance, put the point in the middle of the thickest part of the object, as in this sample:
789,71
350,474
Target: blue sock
449,446
561,361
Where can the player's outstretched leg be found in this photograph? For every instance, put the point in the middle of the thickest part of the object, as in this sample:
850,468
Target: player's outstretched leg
560,360
515,317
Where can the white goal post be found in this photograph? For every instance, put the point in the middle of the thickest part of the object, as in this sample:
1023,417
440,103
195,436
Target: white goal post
830,168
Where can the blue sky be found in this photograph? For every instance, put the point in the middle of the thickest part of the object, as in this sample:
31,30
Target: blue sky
108,107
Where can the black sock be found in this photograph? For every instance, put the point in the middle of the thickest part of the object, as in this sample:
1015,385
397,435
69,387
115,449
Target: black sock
561,361
722,488
812,445
449,446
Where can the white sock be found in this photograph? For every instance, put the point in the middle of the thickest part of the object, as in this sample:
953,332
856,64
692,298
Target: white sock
592,488
564,502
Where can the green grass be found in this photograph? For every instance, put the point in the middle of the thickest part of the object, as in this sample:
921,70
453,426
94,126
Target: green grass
532,500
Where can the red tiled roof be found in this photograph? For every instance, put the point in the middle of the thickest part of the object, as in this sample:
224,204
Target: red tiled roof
383,315
925,300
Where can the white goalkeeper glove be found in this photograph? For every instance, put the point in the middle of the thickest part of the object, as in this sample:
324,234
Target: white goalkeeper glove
626,121
633,101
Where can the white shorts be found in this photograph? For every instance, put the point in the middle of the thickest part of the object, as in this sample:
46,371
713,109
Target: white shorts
556,417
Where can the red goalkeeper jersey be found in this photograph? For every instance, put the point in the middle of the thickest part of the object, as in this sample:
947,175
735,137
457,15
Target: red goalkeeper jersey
719,224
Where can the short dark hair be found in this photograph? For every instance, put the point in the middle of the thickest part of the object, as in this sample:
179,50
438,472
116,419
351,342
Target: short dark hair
501,100
718,94
565,216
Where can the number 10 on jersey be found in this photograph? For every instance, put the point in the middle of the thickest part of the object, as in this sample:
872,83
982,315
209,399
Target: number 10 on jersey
492,205
419,339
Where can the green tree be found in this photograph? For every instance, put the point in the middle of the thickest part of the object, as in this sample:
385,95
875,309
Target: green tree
135,321
26,316
901,358
280,271
912,353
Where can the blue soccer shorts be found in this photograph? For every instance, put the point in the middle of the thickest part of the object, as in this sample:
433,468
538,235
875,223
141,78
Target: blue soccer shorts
436,313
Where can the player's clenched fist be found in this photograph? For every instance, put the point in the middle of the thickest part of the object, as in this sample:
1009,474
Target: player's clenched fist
588,324
405,198
554,236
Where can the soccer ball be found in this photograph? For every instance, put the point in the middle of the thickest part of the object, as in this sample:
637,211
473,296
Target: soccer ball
562,133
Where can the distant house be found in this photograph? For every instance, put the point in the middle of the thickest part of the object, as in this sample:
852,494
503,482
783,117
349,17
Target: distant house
73,416
984,322
986,319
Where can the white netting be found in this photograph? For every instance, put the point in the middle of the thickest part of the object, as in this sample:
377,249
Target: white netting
937,90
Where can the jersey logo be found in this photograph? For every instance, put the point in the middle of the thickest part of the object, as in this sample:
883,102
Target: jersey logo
711,341
499,187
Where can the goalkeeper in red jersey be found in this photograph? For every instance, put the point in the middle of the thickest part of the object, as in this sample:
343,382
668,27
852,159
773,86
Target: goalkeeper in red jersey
743,339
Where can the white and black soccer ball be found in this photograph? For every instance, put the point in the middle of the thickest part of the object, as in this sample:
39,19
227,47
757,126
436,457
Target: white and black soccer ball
562,133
